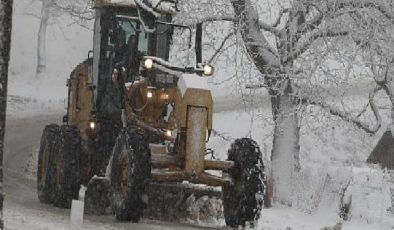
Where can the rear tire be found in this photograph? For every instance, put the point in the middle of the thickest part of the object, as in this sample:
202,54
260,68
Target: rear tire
67,178
130,175
49,146
244,198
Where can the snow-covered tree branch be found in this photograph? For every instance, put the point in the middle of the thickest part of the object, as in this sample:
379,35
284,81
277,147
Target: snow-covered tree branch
309,100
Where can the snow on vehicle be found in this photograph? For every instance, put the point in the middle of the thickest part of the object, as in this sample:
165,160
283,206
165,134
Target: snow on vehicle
137,119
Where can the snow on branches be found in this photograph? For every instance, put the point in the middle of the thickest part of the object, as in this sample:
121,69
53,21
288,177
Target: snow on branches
157,7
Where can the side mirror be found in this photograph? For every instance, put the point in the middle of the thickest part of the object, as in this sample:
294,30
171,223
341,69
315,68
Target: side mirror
198,45
90,54
65,119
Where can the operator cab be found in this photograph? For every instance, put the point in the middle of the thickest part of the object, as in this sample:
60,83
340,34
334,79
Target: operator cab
120,42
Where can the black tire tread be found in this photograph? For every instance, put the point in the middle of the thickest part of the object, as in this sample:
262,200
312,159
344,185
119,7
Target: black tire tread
69,154
50,136
243,200
131,208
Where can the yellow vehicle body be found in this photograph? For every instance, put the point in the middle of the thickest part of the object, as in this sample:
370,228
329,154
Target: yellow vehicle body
191,119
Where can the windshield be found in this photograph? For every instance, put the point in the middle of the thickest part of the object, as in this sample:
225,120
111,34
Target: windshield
167,37
126,36
130,29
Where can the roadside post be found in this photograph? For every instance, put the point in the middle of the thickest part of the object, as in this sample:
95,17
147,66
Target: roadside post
77,208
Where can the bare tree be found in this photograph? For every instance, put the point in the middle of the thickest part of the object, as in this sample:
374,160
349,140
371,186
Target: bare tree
5,44
53,8
292,54
300,25
42,32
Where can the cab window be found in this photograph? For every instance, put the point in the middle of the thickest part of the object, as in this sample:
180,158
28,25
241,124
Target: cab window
123,32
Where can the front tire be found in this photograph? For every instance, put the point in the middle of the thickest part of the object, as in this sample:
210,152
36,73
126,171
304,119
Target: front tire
244,198
49,146
67,176
130,175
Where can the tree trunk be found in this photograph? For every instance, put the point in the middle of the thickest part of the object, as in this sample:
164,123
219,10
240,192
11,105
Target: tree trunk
5,44
285,150
42,32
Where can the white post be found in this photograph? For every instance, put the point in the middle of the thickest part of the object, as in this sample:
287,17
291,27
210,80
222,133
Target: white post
77,207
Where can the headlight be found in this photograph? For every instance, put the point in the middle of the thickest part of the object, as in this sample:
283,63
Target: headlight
148,63
208,70
169,133
92,125
149,94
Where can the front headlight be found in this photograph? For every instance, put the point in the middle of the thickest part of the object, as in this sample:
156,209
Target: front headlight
208,70
169,133
92,125
148,63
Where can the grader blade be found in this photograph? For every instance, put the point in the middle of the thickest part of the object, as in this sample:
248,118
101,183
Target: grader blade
167,202
177,202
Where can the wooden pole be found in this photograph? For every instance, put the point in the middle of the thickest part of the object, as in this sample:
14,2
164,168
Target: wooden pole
5,45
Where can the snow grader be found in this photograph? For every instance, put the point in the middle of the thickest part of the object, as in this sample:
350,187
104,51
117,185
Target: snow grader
135,120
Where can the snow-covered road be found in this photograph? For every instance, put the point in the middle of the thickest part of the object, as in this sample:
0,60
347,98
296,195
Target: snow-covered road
22,208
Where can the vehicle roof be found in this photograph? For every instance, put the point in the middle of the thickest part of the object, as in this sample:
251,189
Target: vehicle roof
163,8
125,3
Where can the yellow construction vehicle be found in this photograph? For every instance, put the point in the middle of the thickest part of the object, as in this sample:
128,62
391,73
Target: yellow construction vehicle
136,119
